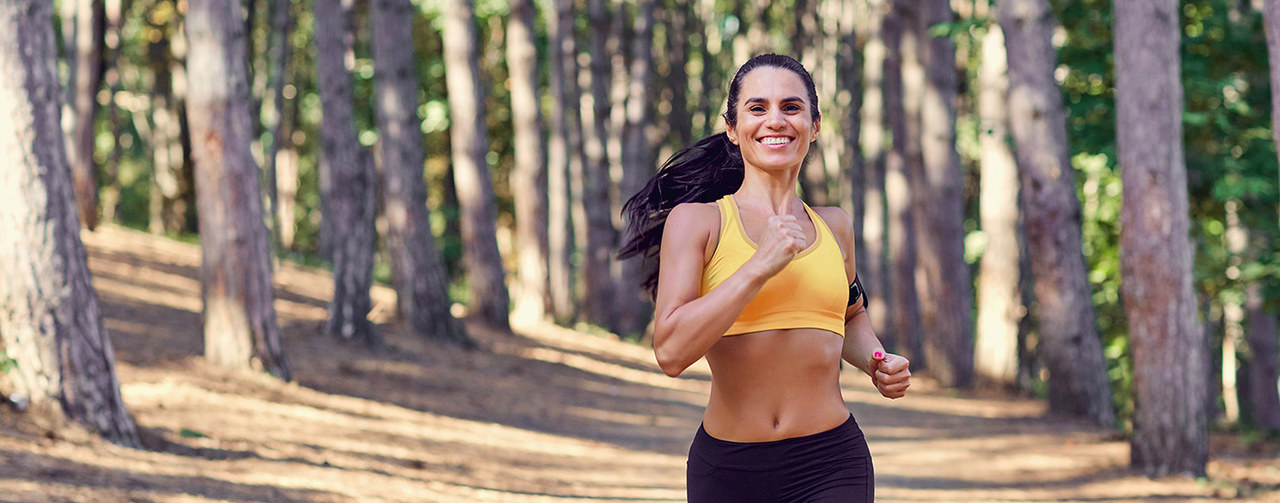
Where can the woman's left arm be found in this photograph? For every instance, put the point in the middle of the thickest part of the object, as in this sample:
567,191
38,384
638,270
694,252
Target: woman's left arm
890,373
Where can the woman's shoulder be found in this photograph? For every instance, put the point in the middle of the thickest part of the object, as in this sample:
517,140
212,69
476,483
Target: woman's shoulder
838,220
693,221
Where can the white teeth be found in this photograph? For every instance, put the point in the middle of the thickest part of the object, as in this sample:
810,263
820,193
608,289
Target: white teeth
775,141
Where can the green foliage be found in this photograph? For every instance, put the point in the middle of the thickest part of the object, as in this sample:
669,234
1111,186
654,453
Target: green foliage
7,363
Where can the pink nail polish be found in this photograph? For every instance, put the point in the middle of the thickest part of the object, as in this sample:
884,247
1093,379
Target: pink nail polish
878,355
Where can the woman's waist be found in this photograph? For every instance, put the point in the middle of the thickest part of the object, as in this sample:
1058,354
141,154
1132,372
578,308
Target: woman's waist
764,416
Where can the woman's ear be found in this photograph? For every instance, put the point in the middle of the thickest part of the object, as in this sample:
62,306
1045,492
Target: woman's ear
817,126
731,132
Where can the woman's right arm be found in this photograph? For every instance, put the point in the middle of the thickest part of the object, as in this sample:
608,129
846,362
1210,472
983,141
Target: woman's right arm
686,323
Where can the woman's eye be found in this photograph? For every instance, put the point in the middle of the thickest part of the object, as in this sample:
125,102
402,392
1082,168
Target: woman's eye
791,108
756,108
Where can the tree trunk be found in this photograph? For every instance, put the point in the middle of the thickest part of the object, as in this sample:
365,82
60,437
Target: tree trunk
1262,368
170,183
1069,340
352,205
280,51
873,266
944,275
900,68
239,316
999,302
592,213
1169,354
470,144
419,274
677,16
1271,14
564,146
634,307
90,26
50,323
529,176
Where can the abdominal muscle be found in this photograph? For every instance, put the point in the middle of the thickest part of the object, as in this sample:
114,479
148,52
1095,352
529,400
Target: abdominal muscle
774,385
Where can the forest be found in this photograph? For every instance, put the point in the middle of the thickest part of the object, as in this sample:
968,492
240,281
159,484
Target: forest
1070,202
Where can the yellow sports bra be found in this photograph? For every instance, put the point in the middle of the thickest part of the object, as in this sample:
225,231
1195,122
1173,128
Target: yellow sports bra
810,292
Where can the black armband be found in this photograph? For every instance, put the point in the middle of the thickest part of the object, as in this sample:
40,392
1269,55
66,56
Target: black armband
857,292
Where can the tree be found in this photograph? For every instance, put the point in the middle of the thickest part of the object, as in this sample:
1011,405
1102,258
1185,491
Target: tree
634,309
939,201
351,207
1070,345
529,175
470,146
1169,355
86,78
593,215
873,265
999,302
416,267
901,70
240,325
563,156
50,323
1271,13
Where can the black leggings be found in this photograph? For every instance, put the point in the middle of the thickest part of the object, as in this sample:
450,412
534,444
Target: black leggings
831,466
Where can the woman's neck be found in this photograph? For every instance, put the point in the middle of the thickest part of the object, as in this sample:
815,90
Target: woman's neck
770,191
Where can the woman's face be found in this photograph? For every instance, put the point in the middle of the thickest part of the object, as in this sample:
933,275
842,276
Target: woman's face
775,124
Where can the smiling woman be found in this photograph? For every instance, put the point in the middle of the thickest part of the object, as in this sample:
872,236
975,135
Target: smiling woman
762,286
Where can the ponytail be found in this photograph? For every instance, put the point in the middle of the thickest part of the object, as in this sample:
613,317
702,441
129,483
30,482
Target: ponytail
700,173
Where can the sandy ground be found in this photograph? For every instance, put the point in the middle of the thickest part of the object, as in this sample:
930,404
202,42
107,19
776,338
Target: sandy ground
543,415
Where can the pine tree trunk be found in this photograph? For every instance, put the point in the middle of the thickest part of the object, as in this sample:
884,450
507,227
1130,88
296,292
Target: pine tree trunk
564,147
1271,15
873,266
632,302
281,51
1262,368
239,316
417,269
50,322
1064,307
999,302
592,214
900,67
1169,354
170,182
940,204
529,176
470,144
90,26
678,28
352,205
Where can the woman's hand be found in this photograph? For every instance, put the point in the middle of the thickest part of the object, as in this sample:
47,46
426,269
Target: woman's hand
783,239
891,374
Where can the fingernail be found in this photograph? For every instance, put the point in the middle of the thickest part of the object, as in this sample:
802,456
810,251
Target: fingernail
878,355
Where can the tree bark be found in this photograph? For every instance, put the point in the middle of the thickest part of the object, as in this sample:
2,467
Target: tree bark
417,269
50,322
944,275
563,158
1271,16
239,316
1169,354
678,27
1070,345
999,302
1262,368
634,307
873,265
470,144
900,69
280,53
90,26
592,212
352,205
529,175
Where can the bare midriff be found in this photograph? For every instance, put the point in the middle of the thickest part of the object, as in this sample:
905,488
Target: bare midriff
774,385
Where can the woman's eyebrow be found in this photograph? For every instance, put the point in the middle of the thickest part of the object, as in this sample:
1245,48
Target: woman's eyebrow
784,100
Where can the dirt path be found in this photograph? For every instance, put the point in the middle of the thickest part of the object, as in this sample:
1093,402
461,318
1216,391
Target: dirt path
548,414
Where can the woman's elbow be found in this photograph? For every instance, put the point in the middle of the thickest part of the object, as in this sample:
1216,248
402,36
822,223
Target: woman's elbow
670,364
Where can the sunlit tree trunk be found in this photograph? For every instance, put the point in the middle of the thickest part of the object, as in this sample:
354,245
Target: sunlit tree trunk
592,213
352,207
417,269
240,324
901,70
280,52
529,176
943,273
873,265
563,158
50,322
170,181
999,301
1169,354
1070,346
634,308
90,26
850,172
470,145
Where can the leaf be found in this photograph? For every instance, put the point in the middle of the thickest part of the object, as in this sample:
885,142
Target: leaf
190,433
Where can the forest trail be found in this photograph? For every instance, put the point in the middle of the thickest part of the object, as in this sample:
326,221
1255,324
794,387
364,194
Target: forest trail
545,415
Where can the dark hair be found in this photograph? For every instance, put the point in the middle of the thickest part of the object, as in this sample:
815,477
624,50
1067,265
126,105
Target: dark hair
700,173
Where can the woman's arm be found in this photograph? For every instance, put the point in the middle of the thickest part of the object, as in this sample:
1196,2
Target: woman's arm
686,323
